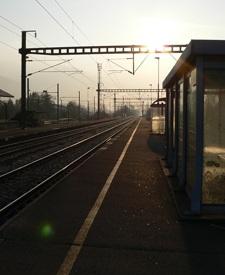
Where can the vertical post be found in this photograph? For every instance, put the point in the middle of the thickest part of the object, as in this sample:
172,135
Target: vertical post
196,196
88,111
98,95
94,105
123,107
23,79
103,105
99,66
114,104
28,94
158,78
150,93
79,105
57,102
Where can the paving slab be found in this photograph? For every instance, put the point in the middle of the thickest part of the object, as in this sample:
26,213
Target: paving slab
136,230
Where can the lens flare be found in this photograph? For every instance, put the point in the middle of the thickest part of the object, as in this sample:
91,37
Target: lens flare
46,230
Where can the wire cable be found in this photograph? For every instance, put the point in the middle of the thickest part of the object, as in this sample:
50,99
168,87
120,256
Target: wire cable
56,21
81,31
6,44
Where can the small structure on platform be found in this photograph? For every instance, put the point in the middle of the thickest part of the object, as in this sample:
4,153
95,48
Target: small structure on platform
158,116
195,124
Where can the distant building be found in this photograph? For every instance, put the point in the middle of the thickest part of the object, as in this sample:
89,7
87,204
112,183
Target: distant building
5,94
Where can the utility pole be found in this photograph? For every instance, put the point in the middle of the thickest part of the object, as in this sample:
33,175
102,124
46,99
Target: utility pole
23,79
94,105
123,107
79,105
23,53
88,113
99,66
158,79
114,104
28,94
57,91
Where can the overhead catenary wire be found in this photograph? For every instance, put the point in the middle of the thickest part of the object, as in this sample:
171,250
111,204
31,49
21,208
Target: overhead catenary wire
43,62
56,21
86,37
62,27
19,28
72,20
6,44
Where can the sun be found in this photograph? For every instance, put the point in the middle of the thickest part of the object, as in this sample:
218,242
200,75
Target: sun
155,33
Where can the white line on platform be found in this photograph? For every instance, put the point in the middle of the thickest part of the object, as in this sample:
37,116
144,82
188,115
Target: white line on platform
80,238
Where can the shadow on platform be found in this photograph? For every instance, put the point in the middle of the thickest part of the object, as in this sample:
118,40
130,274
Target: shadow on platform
156,143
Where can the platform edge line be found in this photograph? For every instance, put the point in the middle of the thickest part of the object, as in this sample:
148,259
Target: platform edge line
80,237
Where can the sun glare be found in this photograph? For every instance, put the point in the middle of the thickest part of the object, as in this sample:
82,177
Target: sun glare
155,33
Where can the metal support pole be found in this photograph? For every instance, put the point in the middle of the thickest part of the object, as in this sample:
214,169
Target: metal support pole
158,79
28,94
99,66
94,105
57,102
123,106
114,104
23,80
98,91
79,105
88,110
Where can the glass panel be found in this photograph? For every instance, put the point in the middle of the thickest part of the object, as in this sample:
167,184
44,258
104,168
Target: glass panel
180,137
169,127
214,138
174,116
191,130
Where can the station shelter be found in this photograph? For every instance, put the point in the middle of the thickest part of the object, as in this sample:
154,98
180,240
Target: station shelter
158,116
195,124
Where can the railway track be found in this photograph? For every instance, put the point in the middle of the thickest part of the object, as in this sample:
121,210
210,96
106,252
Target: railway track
20,153
26,182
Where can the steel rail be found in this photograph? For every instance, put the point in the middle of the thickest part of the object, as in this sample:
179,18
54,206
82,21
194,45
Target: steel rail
18,169
63,131
58,136
43,185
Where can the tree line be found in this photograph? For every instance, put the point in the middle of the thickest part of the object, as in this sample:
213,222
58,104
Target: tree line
45,108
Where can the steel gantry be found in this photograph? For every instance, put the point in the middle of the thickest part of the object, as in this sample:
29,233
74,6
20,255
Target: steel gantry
131,90
115,49
82,50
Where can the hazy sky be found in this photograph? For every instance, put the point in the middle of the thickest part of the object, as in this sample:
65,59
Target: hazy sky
101,23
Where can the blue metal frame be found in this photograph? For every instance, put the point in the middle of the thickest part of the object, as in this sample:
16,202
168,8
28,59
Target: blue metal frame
196,194
182,174
170,127
199,55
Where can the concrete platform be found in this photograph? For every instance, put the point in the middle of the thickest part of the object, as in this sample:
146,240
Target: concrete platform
135,232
